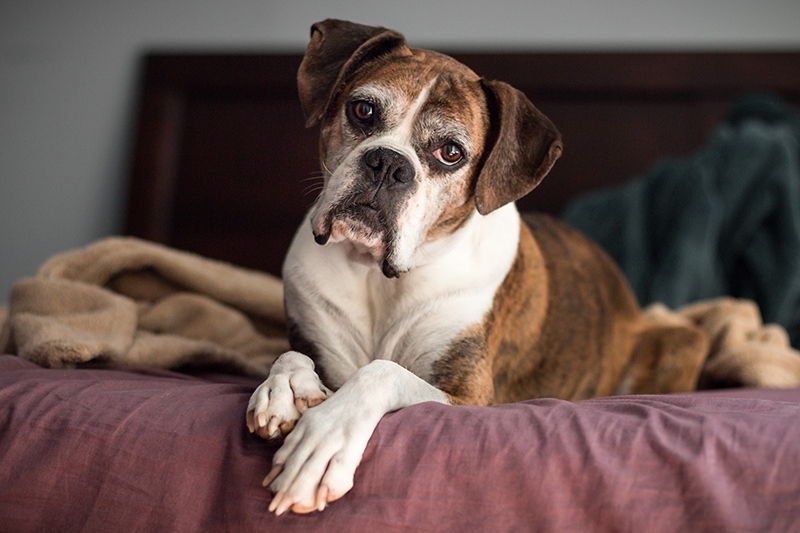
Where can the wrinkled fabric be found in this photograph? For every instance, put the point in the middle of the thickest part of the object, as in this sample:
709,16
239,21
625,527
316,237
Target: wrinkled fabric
151,450
126,301
723,221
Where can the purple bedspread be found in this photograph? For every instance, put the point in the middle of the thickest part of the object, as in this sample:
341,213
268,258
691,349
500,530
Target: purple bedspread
142,450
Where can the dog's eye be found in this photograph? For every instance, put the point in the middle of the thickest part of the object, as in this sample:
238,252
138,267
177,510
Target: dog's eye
363,111
449,154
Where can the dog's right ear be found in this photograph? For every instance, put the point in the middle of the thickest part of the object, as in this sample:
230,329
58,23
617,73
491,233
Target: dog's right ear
526,145
337,49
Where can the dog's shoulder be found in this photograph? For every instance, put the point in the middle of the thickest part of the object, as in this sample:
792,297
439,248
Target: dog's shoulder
568,250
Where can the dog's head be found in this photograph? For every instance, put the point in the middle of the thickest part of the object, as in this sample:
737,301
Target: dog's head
412,142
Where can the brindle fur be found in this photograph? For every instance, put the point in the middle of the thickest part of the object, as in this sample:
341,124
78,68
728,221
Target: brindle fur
565,324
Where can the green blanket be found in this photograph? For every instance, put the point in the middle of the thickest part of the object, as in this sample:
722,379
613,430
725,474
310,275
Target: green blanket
723,221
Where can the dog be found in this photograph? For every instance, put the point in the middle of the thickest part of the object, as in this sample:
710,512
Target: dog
414,278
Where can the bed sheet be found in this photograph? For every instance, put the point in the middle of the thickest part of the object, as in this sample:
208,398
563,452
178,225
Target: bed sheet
145,450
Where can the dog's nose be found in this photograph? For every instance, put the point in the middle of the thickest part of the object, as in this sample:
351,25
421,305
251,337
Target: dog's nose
388,167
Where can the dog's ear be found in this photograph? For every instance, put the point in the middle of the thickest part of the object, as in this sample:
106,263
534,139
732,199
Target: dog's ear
526,144
337,49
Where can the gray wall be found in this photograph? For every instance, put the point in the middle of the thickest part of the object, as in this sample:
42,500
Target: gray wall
67,74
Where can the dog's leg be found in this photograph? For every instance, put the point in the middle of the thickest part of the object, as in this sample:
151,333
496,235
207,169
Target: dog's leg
318,460
290,389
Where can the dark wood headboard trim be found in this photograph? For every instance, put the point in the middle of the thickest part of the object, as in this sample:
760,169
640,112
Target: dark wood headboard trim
572,85
167,81
593,74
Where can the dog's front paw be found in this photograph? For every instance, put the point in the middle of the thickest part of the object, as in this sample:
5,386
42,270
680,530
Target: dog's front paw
291,388
317,462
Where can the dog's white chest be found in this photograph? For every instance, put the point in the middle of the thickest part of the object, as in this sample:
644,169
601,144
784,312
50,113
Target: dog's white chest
352,314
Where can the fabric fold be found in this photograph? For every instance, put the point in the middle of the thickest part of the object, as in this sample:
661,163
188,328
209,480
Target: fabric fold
125,301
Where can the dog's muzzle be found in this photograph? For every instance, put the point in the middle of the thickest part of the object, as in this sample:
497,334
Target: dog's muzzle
387,179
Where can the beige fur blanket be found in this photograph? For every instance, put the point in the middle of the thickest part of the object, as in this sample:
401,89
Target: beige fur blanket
741,350
124,301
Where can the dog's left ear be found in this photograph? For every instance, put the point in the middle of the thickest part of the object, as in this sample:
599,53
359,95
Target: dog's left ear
336,50
526,146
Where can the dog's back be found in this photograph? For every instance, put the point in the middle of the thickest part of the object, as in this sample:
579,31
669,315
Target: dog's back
593,339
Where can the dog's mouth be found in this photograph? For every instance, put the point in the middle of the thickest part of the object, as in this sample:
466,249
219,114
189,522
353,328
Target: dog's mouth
363,227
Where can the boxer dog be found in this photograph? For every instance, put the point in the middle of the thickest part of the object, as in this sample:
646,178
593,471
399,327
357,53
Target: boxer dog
414,278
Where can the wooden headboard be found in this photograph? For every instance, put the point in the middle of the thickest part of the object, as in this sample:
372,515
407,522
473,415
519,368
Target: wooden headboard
222,160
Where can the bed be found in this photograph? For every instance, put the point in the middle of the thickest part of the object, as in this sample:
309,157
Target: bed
220,167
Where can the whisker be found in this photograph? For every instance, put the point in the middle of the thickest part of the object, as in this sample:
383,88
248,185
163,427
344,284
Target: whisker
313,185
316,183
424,253
312,178
314,188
